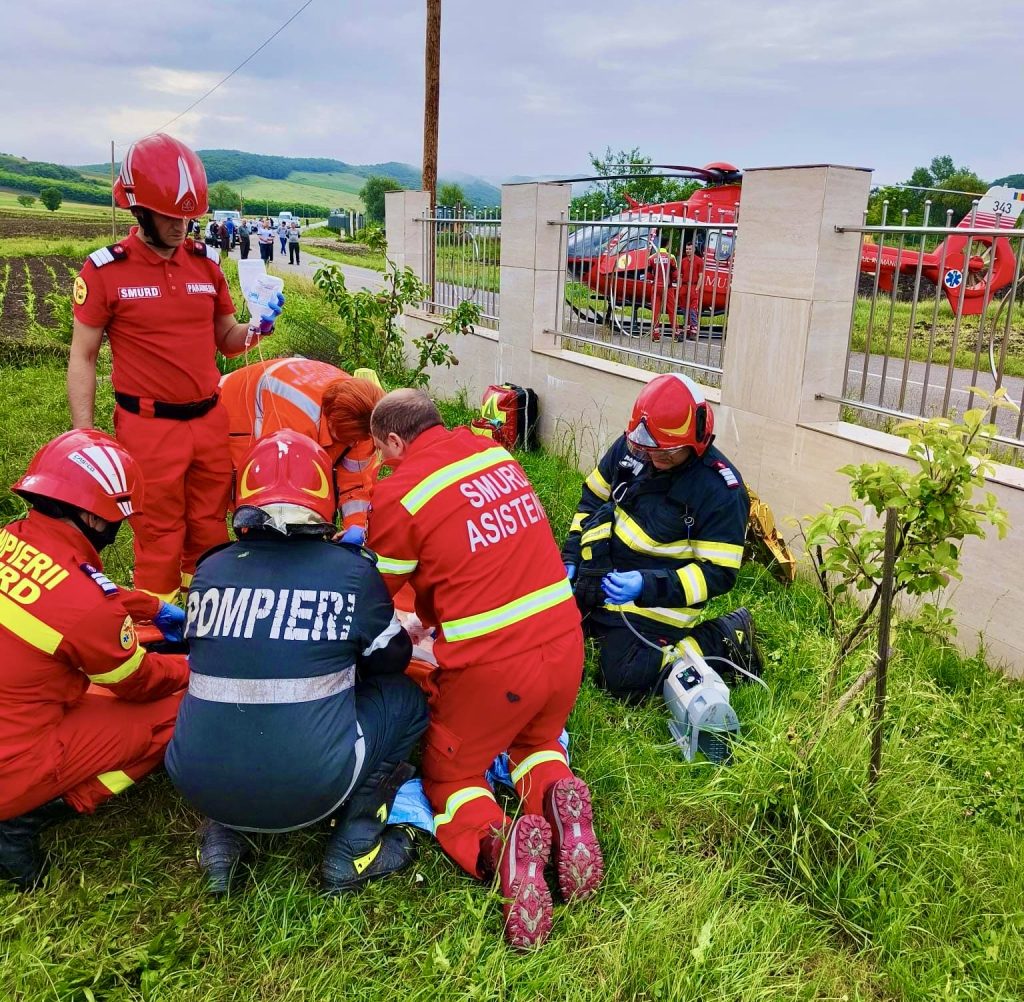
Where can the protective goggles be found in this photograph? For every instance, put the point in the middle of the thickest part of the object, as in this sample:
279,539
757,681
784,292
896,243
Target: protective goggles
641,441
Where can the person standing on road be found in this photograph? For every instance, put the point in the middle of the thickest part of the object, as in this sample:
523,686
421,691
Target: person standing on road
243,242
282,235
293,244
166,309
265,238
86,711
459,520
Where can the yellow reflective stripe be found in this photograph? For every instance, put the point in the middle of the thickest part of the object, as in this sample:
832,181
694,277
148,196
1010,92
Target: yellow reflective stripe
122,671
506,615
723,554
660,614
680,649
602,531
24,625
391,565
630,532
452,474
186,579
167,597
597,483
695,587
531,761
115,782
459,799
577,521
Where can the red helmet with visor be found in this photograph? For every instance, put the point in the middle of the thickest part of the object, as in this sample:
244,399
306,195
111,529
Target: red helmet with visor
671,413
162,174
284,472
88,469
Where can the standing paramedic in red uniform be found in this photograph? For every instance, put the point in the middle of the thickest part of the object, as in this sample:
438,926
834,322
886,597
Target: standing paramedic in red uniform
165,307
85,712
459,520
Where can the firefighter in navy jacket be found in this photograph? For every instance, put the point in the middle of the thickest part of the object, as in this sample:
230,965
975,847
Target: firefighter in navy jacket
658,532
298,709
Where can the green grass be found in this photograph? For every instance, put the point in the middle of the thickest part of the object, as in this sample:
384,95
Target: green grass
921,340
9,200
335,190
772,879
367,260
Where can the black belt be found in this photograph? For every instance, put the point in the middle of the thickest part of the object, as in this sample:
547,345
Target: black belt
146,407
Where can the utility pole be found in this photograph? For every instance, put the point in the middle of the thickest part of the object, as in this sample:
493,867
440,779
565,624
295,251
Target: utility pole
431,97
113,204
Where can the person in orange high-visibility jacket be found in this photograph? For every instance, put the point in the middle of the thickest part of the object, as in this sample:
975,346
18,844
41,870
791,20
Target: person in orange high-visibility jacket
318,400
85,712
459,520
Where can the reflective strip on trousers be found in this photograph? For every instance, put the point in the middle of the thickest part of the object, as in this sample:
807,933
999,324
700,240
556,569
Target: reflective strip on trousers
260,691
459,799
508,614
537,758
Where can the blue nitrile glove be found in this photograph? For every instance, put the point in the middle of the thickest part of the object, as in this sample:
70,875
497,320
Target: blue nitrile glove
570,571
355,536
170,621
623,586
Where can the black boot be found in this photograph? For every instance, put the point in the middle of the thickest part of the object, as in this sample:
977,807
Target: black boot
221,850
733,637
22,860
362,846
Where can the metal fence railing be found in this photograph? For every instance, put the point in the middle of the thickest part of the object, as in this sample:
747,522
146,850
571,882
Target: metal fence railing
462,260
939,311
631,290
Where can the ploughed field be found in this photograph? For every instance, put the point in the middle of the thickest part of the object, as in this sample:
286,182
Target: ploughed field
28,289
19,225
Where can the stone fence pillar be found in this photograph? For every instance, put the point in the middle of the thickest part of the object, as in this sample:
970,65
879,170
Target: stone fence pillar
793,287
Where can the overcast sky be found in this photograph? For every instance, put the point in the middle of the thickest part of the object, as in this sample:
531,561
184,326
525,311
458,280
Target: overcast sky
527,86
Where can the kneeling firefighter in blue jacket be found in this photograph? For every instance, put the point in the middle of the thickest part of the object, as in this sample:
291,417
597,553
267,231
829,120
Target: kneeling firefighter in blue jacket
298,708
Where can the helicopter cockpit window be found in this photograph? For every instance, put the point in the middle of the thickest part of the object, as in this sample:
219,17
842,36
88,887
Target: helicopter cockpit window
726,241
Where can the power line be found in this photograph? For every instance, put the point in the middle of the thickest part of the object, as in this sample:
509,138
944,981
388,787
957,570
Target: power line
251,55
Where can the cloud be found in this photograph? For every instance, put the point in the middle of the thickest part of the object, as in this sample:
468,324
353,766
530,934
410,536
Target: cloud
527,87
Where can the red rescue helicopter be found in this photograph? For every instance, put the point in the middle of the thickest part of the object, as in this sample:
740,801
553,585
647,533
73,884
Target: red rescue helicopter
615,262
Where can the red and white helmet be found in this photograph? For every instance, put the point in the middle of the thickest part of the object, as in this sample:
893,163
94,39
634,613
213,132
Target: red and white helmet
671,413
290,478
164,175
88,469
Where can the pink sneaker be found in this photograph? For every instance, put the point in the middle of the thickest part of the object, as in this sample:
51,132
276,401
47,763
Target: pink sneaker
577,855
520,867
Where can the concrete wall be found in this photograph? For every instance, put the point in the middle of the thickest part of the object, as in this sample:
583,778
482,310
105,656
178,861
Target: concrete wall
788,329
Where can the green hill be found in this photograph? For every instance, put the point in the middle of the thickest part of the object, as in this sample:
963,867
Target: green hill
242,169
335,190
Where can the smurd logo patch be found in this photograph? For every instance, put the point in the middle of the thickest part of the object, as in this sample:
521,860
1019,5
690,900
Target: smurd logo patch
138,292
127,633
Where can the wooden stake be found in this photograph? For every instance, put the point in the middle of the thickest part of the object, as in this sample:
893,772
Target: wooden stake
884,620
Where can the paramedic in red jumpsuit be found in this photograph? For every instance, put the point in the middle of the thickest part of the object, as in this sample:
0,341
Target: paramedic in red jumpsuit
85,712
164,304
459,520
671,284
318,400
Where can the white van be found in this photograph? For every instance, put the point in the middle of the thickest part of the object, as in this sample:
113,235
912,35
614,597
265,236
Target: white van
221,215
